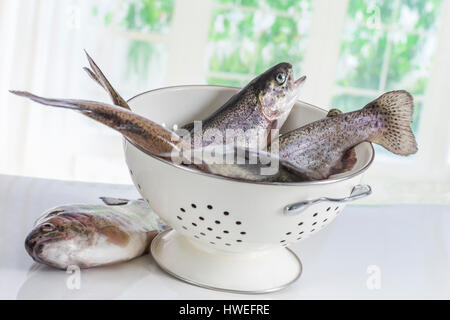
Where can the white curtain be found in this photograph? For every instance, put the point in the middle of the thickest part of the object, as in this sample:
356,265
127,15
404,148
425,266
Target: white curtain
42,51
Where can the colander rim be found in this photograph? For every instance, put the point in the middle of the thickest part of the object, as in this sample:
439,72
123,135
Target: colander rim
302,183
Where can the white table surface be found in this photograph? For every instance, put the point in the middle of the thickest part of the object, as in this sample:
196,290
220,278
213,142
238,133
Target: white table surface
403,248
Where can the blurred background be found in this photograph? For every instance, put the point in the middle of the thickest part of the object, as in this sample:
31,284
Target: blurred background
350,50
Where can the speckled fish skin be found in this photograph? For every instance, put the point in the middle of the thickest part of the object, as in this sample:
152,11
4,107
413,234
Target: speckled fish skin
255,171
262,105
93,235
323,148
147,134
247,171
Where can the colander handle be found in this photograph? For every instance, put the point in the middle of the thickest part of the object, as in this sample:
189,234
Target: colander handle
359,191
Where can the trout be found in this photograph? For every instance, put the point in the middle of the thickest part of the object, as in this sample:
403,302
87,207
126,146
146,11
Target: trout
93,235
324,147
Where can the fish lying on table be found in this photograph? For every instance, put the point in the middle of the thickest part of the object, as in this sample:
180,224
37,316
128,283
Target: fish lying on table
93,235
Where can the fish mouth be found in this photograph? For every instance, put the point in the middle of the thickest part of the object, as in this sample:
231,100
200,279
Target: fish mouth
35,245
298,83
295,90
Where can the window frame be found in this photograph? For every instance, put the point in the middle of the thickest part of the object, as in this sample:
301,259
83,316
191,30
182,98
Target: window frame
428,170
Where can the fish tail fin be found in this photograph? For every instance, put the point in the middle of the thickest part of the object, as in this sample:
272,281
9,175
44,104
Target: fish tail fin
397,109
97,75
60,103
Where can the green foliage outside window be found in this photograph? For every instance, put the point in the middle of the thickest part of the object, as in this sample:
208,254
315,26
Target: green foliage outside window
145,16
386,45
247,37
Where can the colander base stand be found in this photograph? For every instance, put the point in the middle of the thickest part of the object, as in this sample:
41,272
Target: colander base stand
253,272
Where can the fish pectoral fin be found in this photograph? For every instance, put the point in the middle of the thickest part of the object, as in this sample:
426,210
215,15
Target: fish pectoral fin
346,163
115,235
114,201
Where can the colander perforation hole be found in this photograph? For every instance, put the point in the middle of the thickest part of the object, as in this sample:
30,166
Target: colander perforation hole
288,233
185,228
197,237
315,214
226,231
217,222
226,213
193,205
194,224
243,232
329,208
312,230
299,238
300,223
238,222
139,187
182,210
209,207
228,244
218,238
201,218
301,232
336,209
325,220
314,223
239,240
179,218
209,229
212,242
282,241
203,234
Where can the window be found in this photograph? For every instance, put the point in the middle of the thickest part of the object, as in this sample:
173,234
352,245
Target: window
247,37
350,50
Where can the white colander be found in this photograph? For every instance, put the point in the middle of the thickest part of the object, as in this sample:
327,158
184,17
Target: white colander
227,234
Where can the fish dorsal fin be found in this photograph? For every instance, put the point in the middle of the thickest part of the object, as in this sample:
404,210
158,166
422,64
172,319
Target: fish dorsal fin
114,201
333,113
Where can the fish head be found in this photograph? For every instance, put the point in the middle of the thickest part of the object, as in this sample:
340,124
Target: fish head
50,236
278,90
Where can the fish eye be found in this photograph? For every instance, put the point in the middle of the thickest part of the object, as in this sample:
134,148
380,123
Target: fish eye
47,227
280,77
